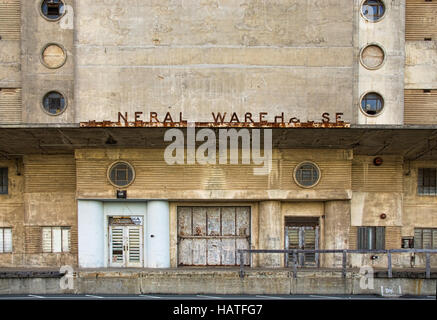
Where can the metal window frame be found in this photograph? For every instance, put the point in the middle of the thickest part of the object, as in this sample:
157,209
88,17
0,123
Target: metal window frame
4,180
363,238
3,240
379,6
432,230
424,182
62,237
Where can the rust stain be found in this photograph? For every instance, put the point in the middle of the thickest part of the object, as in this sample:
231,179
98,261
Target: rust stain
198,231
143,124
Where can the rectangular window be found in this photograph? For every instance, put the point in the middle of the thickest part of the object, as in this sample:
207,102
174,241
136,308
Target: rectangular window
425,238
427,181
371,238
5,240
3,180
56,239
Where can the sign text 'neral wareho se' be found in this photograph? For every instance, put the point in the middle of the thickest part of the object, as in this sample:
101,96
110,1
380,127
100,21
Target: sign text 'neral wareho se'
231,120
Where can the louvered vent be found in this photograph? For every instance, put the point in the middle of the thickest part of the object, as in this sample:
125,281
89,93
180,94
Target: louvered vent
10,106
10,19
420,107
421,20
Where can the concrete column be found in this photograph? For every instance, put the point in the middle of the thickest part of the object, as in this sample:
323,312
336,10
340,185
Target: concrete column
90,234
270,233
336,234
158,234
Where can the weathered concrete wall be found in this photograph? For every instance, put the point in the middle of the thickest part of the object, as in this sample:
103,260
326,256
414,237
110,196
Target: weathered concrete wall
388,81
12,213
215,282
155,179
224,56
49,200
419,211
421,65
336,231
271,233
10,53
37,79
377,190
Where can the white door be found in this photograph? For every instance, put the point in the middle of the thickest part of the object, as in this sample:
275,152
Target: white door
126,246
134,247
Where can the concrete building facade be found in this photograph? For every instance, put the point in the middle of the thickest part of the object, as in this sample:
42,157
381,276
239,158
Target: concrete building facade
89,88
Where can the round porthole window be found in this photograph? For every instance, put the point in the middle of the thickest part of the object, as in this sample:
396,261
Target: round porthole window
307,174
52,9
121,174
53,56
54,103
373,10
372,104
372,57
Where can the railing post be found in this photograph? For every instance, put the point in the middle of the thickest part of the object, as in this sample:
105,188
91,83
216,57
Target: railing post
428,265
242,264
294,263
390,271
344,263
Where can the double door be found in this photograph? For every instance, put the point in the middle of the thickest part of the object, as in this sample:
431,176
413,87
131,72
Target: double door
303,238
126,246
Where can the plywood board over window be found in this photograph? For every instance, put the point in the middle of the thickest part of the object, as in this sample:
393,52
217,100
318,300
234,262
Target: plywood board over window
421,20
212,235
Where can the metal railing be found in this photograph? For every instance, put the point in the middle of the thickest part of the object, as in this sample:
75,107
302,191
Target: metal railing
295,253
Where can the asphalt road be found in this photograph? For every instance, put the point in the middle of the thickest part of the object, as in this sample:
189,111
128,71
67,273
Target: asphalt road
208,297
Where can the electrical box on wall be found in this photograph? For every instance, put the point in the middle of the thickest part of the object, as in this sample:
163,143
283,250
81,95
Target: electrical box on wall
407,243
121,194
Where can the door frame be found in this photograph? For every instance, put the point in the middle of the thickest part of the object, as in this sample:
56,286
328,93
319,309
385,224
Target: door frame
302,222
141,227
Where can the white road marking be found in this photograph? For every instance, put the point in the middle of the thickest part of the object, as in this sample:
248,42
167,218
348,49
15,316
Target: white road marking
153,297
212,297
314,296
91,296
269,297
34,296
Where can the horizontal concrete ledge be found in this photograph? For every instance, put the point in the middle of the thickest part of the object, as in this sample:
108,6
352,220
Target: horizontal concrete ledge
202,281
30,274
235,195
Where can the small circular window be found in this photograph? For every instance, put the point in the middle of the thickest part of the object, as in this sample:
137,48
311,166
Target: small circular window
372,104
54,103
53,56
373,10
52,9
121,174
372,57
307,174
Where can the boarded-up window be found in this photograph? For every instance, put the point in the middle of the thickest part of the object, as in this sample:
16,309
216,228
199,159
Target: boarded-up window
371,238
420,107
5,240
212,235
10,19
10,106
421,20
56,239
425,238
